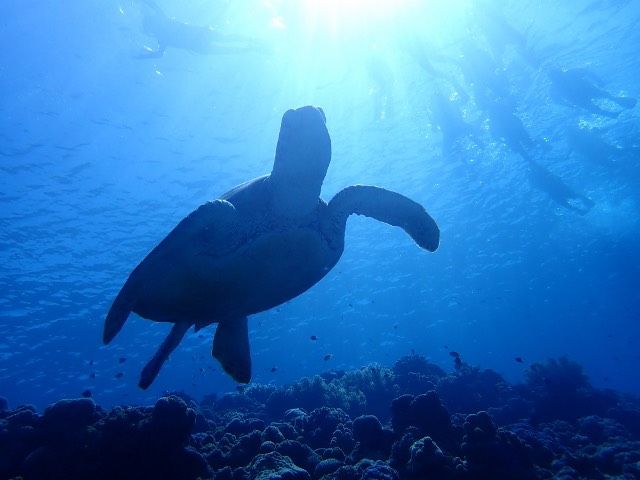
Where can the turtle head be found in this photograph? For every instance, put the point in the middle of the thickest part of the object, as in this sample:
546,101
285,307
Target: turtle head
302,159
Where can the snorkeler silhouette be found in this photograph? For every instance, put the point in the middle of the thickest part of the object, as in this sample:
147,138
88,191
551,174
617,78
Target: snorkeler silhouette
482,72
424,56
599,7
576,87
499,33
382,81
505,125
420,52
448,118
173,33
587,144
557,190
591,147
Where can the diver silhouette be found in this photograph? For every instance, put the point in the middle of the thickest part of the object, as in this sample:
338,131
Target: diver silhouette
448,118
506,126
588,145
500,34
481,71
557,190
170,32
420,52
577,87
382,81
599,7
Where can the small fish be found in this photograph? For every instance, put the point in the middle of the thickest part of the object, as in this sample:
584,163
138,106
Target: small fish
90,362
395,326
328,356
122,359
119,375
86,393
274,369
92,375
446,347
454,354
457,363
314,338
519,360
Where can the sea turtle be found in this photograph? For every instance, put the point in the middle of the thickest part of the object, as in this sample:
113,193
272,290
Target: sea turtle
259,245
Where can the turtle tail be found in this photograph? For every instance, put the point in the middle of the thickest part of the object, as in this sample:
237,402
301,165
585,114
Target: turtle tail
118,313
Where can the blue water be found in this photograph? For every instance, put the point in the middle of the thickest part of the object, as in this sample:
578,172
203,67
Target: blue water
103,151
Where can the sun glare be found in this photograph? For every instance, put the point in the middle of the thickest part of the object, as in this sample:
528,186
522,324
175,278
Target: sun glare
339,15
355,9
361,45
352,19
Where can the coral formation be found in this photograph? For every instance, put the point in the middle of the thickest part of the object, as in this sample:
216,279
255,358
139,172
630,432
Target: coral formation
561,428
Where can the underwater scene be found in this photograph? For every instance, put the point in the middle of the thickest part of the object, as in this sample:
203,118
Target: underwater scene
320,239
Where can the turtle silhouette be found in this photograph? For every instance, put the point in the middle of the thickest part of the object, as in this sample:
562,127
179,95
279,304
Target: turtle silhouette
259,245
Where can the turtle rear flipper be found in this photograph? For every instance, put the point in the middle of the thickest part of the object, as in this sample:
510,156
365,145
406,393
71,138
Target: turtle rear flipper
231,348
151,369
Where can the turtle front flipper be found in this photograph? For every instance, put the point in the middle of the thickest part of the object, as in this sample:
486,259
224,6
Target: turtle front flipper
119,312
231,348
150,371
386,206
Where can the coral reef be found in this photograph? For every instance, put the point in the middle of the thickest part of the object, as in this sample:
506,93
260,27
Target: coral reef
373,423
561,390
